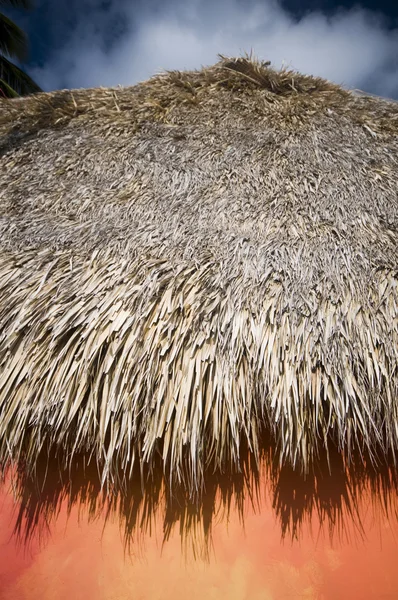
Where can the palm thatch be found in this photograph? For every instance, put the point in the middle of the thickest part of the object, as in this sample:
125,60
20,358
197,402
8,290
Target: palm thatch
333,501
195,261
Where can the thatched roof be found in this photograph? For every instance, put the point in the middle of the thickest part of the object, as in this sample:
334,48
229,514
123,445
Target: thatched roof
196,260
334,498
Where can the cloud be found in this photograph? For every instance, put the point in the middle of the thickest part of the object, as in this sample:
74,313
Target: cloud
123,43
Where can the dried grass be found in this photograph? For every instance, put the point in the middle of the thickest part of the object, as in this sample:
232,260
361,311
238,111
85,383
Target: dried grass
196,260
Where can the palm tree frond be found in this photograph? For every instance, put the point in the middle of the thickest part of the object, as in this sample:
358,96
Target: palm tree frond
13,41
26,4
16,79
6,90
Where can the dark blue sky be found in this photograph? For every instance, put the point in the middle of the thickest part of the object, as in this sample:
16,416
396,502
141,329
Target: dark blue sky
84,43
389,8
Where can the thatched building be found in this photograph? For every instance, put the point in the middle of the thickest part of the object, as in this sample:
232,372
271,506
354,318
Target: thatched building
195,262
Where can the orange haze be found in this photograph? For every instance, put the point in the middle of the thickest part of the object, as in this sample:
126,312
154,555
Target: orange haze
80,559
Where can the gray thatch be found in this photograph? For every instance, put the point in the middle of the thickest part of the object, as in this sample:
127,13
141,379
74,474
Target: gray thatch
196,260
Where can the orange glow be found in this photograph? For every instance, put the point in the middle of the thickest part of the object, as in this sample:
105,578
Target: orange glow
84,558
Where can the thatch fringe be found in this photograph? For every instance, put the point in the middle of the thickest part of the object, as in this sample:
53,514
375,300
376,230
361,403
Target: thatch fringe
335,502
196,260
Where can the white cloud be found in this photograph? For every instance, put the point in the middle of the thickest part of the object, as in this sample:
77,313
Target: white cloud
352,47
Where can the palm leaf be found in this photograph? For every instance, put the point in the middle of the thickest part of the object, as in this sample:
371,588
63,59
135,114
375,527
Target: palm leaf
7,90
13,41
26,4
16,79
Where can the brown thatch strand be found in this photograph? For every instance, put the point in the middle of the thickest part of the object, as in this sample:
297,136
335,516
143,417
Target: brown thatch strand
193,261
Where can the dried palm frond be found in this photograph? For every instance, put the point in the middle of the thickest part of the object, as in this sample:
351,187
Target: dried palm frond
333,501
195,261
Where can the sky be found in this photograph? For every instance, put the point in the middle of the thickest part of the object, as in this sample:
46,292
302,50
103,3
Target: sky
90,43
